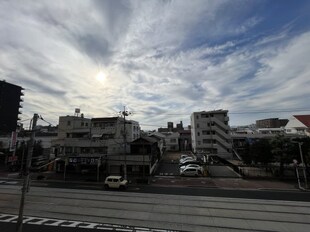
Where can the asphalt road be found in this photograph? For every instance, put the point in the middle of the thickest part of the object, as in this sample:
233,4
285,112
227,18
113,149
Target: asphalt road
221,171
294,195
124,211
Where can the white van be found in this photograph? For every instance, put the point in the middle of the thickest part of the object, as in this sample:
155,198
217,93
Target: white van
116,182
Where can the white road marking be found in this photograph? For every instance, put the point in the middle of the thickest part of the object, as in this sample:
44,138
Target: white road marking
75,224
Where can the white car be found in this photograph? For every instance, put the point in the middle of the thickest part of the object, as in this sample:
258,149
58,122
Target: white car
116,182
184,156
192,166
186,159
190,172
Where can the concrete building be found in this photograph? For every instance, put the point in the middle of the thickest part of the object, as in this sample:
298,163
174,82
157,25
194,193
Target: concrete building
170,128
271,123
185,140
83,141
298,124
172,141
211,133
10,98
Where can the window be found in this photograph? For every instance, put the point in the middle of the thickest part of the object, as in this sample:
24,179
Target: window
86,124
68,123
82,123
197,116
199,143
205,132
173,140
211,115
197,125
198,133
205,116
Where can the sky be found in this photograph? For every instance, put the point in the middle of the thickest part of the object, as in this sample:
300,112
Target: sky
163,60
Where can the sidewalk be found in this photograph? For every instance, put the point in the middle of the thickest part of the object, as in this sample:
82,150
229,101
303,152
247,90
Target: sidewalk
228,183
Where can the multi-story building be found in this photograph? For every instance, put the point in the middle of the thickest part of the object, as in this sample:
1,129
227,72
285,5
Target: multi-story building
172,141
210,133
271,123
10,98
84,140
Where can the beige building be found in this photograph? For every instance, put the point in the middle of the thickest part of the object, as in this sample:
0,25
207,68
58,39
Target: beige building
210,133
84,140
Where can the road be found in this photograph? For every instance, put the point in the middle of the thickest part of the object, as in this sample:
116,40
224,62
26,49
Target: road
287,195
128,211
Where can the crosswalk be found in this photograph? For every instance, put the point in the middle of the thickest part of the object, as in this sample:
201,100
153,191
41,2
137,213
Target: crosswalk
10,218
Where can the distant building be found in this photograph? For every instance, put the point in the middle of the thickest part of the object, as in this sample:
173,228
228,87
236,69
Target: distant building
298,124
185,140
211,133
10,98
170,128
271,123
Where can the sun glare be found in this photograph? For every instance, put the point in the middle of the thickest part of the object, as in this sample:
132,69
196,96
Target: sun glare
100,76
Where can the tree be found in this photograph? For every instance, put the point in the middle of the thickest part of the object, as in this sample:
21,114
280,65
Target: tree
284,151
260,152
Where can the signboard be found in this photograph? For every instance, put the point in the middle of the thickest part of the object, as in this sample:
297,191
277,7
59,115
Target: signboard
13,141
12,158
84,160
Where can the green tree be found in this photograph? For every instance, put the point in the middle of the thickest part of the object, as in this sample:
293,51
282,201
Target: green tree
260,152
284,151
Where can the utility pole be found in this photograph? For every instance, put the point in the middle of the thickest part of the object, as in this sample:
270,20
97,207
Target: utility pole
303,164
125,113
19,225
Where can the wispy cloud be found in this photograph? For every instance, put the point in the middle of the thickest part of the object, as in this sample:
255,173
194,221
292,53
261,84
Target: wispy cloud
162,59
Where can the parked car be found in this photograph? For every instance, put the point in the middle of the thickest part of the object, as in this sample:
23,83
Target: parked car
186,159
116,182
190,171
189,162
192,166
183,156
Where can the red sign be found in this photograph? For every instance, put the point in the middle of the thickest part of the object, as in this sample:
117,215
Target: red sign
12,158
13,141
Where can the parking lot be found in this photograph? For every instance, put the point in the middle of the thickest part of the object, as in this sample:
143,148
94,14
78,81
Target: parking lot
169,166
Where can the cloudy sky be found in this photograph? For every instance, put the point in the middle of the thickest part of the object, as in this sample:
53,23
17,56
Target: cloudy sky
163,60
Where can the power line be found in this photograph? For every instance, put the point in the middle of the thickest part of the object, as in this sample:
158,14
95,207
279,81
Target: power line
234,112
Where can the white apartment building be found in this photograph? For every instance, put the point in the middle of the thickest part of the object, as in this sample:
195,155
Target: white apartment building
211,133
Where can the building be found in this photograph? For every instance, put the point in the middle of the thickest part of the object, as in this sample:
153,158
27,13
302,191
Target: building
144,156
83,141
172,141
170,128
271,123
10,99
298,124
185,140
210,133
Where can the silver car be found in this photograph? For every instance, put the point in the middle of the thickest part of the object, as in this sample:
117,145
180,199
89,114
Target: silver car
190,172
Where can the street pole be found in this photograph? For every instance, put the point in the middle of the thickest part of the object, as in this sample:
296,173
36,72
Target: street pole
303,164
125,113
19,225
98,167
